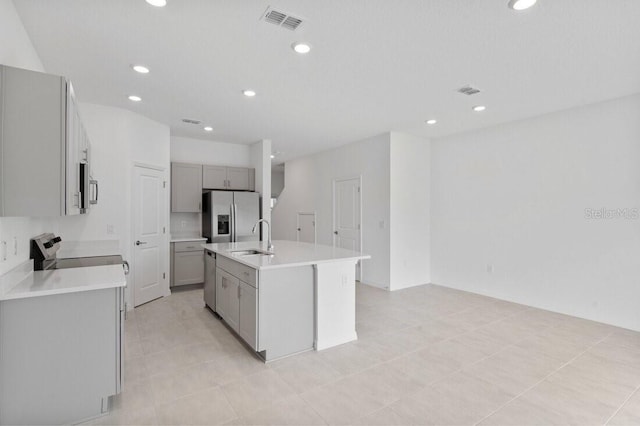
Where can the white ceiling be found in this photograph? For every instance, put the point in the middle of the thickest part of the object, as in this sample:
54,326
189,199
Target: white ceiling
376,65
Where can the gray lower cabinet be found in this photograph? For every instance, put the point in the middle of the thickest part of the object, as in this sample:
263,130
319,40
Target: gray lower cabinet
227,300
60,356
271,310
187,263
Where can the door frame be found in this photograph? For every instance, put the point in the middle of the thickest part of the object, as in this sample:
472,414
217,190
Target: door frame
165,209
315,228
359,267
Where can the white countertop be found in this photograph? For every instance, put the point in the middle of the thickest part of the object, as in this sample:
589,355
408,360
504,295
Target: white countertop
285,253
61,281
183,239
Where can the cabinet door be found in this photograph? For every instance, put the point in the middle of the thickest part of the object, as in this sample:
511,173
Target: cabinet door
186,188
188,267
214,177
73,154
33,127
227,303
233,307
238,178
248,321
221,293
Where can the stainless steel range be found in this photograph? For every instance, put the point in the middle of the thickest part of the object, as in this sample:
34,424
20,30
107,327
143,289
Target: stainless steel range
45,246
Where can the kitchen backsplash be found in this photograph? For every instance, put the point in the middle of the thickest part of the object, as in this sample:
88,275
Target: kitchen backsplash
185,224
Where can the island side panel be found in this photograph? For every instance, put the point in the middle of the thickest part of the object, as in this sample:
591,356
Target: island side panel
335,303
285,311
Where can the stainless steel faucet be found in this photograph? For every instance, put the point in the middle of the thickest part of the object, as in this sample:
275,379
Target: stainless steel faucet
269,245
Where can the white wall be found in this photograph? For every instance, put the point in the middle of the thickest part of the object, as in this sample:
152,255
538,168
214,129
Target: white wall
261,161
119,138
514,197
309,188
277,182
198,151
17,50
410,174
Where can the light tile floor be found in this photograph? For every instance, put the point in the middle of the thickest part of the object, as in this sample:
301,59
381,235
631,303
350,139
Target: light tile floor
425,355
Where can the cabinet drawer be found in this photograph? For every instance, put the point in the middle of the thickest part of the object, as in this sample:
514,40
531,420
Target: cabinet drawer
188,246
238,270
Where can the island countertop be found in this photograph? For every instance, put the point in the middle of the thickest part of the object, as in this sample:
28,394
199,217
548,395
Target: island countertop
284,253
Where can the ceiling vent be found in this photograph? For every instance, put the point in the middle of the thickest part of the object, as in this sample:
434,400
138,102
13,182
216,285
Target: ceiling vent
468,90
281,19
191,121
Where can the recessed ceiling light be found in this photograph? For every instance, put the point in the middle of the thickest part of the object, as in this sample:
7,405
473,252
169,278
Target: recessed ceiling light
521,4
249,93
208,129
432,121
157,3
135,98
273,156
479,108
141,69
301,48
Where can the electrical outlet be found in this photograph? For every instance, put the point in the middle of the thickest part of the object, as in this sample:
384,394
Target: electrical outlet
183,223
381,224
110,230
489,268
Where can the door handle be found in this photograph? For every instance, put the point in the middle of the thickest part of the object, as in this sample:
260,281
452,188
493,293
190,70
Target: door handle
335,232
140,242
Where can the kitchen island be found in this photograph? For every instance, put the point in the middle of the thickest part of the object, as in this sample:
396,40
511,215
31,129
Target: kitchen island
292,298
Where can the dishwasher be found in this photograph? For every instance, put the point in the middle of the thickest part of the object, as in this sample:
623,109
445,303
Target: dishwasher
210,280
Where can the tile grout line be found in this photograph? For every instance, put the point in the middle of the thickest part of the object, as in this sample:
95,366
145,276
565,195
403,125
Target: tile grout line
542,380
437,318
622,405
509,345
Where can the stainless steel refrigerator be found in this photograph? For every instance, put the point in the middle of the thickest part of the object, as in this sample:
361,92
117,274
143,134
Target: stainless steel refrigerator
230,216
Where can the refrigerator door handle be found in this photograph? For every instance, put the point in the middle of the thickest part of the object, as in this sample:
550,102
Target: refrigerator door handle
232,226
230,223
235,222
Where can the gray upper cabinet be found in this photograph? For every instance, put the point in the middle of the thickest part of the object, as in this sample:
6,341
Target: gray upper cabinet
231,178
214,177
186,188
239,178
42,144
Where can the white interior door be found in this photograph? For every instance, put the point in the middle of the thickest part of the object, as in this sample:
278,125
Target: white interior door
149,227
307,227
346,216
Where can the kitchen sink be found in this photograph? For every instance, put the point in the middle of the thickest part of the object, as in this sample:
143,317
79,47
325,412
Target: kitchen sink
250,253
